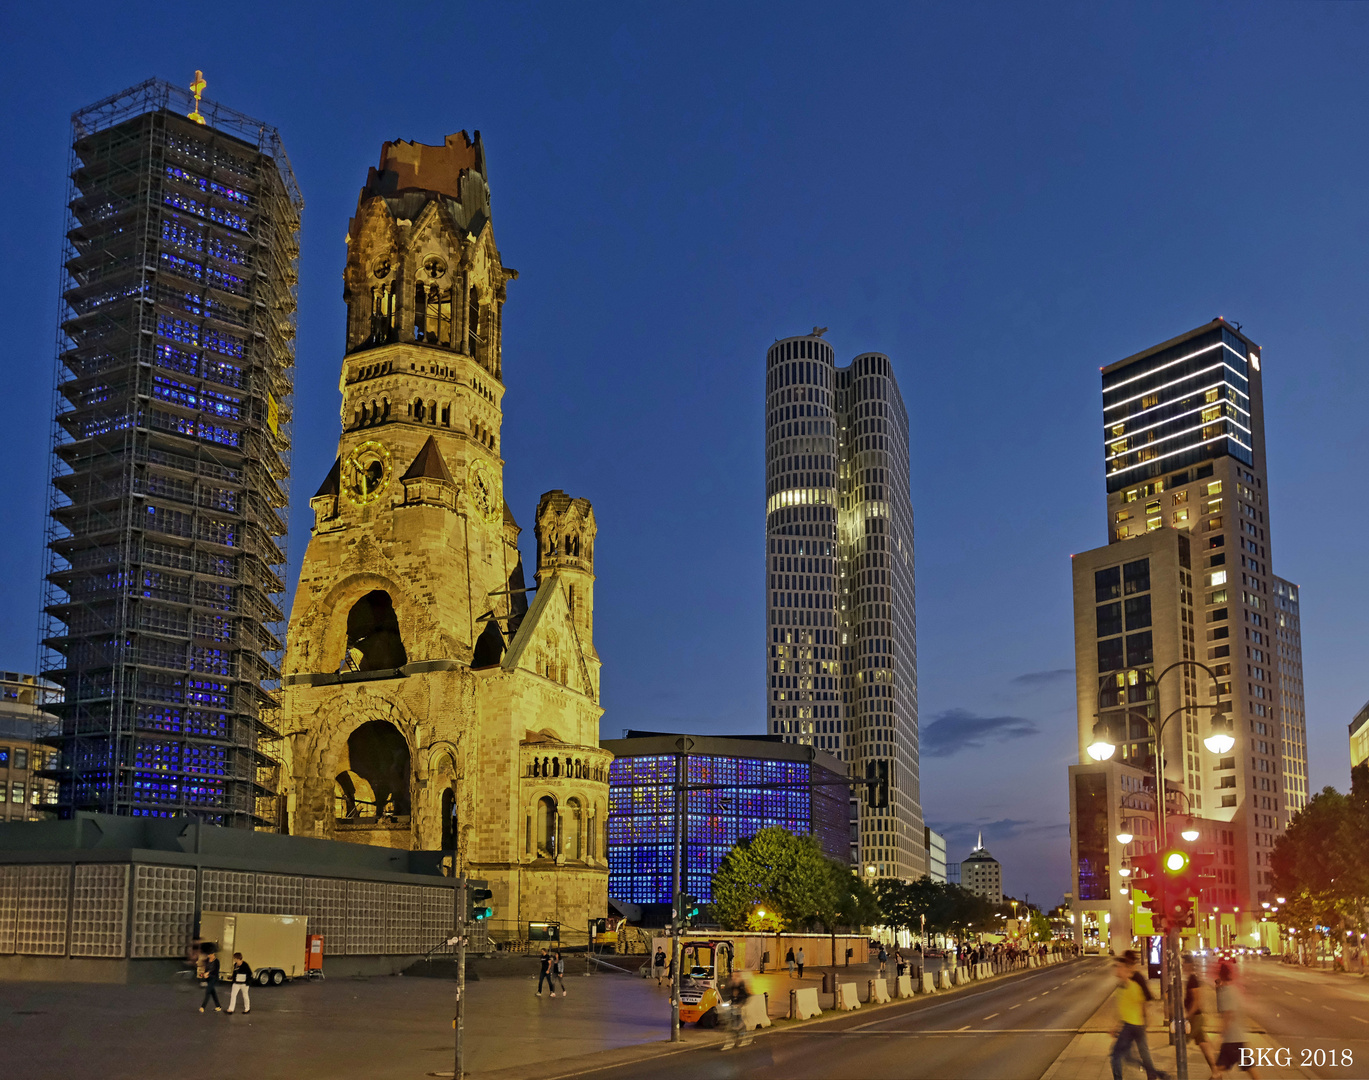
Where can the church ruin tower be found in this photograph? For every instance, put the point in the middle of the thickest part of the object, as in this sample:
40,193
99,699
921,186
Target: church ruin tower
431,706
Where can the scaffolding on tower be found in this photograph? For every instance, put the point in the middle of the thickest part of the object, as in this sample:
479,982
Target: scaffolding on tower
163,618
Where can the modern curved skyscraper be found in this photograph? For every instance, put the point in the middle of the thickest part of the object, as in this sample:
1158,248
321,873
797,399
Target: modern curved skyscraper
841,626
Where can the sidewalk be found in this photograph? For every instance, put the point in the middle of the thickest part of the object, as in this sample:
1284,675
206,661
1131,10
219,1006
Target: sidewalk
1087,1059
1088,1055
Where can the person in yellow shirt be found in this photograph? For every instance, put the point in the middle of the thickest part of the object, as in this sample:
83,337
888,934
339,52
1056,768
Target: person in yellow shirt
1130,999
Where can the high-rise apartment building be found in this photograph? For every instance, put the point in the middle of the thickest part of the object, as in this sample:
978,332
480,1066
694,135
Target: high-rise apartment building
171,456
841,614
1185,581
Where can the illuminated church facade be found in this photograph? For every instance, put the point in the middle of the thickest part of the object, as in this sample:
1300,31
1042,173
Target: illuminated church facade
427,702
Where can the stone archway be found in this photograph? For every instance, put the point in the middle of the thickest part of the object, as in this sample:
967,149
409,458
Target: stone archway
378,753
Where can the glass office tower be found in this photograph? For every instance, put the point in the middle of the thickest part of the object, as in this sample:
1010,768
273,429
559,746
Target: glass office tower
1185,581
841,602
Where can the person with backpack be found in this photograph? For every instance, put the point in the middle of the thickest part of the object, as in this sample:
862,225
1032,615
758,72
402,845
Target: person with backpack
1131,997
242,979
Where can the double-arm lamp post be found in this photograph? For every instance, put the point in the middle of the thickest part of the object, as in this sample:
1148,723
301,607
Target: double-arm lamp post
1220,740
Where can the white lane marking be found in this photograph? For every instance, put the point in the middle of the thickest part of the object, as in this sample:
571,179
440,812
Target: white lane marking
1017,1006
992,1015
965,1028
1362,1020
1328,1008
1033,997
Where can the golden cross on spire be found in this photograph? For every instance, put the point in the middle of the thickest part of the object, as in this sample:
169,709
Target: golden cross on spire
197,87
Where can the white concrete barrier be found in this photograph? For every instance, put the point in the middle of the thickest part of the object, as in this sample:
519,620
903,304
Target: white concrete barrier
925,985
754,1013
904,986
879,991
803,1004
847,998
943,979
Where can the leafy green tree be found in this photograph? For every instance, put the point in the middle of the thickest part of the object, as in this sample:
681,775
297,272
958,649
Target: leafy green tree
785,875
1319,862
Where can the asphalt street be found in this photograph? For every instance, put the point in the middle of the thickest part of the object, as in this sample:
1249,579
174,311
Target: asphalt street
1312,1014
1012,1029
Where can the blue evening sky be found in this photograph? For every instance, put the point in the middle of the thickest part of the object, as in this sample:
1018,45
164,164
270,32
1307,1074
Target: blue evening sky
1002,197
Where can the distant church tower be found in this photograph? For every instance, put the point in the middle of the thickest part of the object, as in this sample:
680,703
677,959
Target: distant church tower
433,708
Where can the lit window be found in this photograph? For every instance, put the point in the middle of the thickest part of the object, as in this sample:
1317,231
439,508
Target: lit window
1180,517
1218,578
1214,488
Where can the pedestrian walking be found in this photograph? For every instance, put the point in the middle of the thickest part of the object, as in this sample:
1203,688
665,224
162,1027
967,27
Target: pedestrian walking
558,967
658,962
736,994
242,979
799,958
1195,1013
900,965
883,961
210,981
544,972
1130,999
1231,1010
789,959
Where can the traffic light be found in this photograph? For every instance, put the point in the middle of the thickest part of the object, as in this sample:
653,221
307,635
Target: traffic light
477,906
876,784
691,910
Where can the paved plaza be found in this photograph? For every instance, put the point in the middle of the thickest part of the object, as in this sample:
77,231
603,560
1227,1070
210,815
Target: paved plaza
382,1028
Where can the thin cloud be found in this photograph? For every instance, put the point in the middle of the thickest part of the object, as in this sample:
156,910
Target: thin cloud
959,729
1044,678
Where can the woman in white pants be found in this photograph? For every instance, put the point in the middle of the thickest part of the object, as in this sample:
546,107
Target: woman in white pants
242,979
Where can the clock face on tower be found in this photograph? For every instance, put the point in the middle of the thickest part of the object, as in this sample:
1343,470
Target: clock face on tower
484,492
366,472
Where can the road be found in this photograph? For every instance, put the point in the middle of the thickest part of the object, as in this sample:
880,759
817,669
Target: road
1308,1011
1012,1029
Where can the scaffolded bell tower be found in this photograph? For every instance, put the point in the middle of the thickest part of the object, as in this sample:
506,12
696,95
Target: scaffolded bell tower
427,704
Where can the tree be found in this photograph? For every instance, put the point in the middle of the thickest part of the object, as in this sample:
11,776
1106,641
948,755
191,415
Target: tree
785,875
1319,862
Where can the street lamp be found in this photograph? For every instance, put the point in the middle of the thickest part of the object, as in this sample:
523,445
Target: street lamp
1190,830
1124,838
1220,740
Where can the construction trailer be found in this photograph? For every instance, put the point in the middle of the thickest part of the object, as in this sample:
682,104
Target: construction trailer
275,947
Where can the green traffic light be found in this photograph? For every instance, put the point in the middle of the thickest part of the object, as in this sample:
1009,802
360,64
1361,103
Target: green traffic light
1176,862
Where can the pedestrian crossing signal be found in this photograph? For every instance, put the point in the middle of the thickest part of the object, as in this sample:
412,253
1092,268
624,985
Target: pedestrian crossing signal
476,902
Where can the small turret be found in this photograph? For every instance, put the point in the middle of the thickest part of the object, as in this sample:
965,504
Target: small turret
565,531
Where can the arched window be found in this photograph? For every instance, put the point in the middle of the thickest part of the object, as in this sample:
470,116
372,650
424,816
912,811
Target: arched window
418,410
432,412
421,312
473,323
536,767
379,758
545,827
573,843
450,832
555,766
373,639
